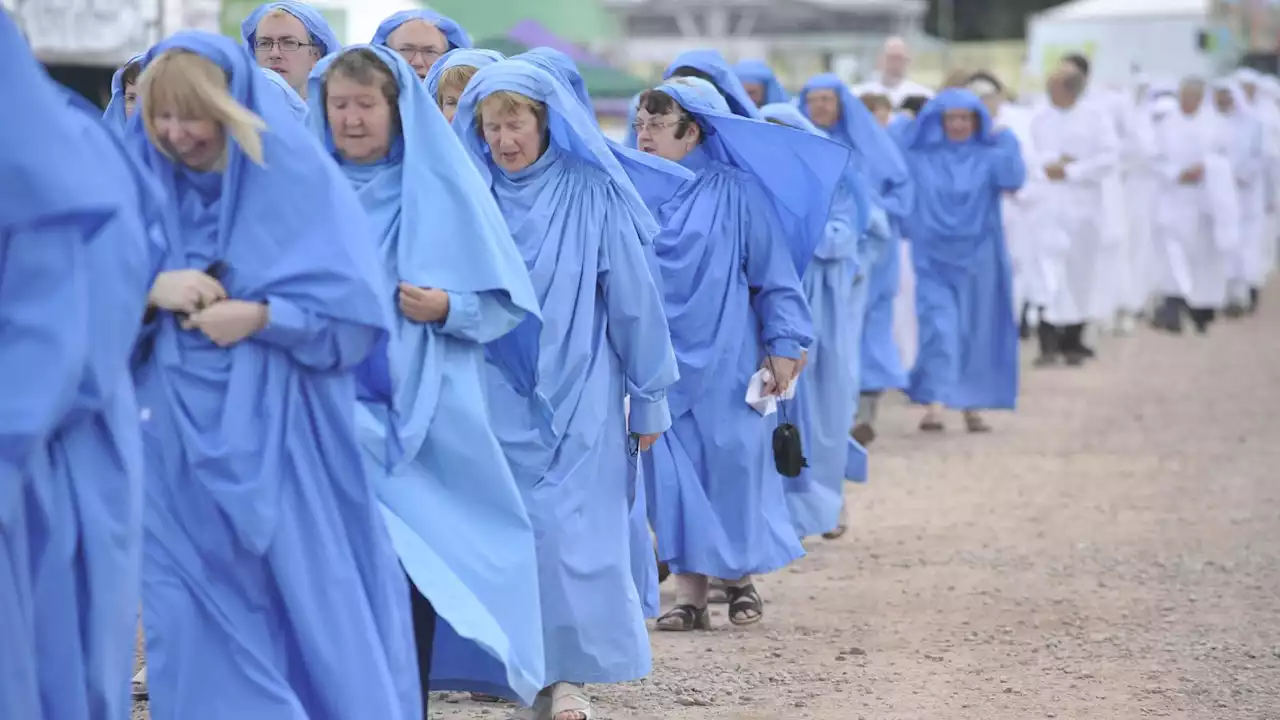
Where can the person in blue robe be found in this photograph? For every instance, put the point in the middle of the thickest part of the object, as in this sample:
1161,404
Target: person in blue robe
296,104
74,272
455,515
579,225
289,38
421,36
124,93
658,181
265,547
731,254
710,65
964,287
828,102
449,76
760,82
836,290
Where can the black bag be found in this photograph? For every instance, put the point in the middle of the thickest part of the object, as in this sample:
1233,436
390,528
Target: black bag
788,450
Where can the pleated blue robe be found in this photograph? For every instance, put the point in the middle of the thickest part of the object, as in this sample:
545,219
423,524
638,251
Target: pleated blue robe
964,286
270,586
73,278
452,506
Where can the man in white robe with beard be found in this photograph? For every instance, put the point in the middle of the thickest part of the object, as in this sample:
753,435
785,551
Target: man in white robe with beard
891,80
1077,150
1197,215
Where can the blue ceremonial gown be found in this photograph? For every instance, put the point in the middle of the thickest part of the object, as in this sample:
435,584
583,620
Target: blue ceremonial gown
270,587
74,272
455,515
296,104
759,72
964,287
725,80
731,255
579,225
827,396
658,181
321,33
453,32
114,114
880,160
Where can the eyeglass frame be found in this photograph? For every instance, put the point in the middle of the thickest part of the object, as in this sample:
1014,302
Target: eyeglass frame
681,119
428,53
267,44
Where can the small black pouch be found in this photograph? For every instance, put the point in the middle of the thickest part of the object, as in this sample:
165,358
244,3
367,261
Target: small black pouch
788,450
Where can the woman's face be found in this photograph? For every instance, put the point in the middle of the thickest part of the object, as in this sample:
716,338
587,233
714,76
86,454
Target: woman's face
449,101
197,142
823,107
656,135
359,119
959,124
514,138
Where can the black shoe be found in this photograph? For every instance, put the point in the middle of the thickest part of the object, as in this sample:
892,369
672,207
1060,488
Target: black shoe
1075,359
1255,294
1168,317
1046,361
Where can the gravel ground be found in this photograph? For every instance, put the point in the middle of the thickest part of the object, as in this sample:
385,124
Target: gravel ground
1111,551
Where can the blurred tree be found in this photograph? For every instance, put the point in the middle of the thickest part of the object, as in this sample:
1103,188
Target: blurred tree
986,19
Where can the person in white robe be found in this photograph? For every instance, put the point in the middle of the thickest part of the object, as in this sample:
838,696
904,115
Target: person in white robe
1242,135
1137,158
1196,209
891,79
1077,151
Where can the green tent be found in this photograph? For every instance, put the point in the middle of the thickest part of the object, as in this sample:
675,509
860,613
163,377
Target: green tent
602,82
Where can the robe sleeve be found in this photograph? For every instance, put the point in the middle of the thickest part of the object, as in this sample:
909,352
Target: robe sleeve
481,317
1009,170
786,325
637,321
44,315
1103,159
313,341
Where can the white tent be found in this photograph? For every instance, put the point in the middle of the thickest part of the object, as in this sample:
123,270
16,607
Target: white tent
1122,37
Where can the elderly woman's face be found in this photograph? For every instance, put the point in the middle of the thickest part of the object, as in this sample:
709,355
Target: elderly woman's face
514,137
197,142
360,119
656,135
959,124
823,107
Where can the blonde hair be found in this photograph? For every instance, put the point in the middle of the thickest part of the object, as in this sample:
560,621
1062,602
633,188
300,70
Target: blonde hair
506,102
456,79
195,87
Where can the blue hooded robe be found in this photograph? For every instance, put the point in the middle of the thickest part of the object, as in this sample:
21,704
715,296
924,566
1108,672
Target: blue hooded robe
452,506
114,115
265,547
827,397
74,274
453,32
758,72
964,286
464,57
890,184
731,255
580,226
725,80
321,33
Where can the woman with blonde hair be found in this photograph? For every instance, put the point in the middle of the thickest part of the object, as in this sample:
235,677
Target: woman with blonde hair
580,226
270,587
450,75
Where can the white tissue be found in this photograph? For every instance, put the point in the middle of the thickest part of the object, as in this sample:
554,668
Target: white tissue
761,403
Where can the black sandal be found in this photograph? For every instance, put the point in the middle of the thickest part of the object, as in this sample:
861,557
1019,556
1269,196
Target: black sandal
689,618
744,601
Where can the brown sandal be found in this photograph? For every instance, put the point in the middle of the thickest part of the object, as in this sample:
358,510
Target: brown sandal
744,601
684,618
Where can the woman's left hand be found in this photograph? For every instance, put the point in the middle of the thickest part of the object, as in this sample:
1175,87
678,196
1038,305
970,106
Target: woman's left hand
423,305
229,321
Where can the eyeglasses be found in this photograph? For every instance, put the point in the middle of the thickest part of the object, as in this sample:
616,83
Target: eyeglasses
286,44
653,126
429,54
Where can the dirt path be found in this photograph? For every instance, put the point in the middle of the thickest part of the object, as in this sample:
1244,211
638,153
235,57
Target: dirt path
1110,552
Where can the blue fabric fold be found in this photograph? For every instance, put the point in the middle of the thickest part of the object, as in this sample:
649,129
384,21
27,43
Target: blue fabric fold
723,78
799,170
476,58
255,475
311,18
759,73
968,339
296,104
581,229
454,512
114,115
453,32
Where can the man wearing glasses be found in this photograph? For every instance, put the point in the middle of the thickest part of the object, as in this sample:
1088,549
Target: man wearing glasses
289,38
421,37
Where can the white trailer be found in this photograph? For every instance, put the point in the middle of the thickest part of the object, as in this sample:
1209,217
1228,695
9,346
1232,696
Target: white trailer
105,33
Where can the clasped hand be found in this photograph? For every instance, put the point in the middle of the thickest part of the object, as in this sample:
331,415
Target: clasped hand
204,303
422,305
783,371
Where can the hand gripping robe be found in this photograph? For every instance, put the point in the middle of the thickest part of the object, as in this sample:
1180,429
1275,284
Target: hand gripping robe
74,272
658,181
731,256
580,228
879,159
964,286
265,546
453,32
827,396
452,507
1197,224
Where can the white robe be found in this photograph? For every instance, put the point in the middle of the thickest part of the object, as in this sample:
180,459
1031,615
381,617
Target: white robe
896,94
1242,138
1073,227
1033,277
1137,158
1197,224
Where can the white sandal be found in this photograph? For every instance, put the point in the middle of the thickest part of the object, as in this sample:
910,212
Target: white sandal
570,698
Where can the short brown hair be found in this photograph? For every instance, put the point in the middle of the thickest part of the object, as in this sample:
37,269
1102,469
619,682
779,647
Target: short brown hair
129,76
656,102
